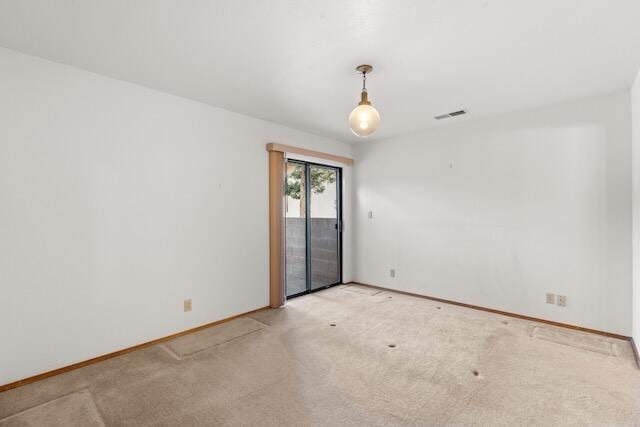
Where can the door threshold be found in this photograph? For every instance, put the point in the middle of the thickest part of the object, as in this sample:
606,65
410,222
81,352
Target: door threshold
313,290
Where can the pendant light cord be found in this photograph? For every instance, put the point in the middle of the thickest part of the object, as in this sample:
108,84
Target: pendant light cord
364,81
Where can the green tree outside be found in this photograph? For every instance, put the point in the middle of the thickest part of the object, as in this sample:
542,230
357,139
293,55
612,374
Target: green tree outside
295,183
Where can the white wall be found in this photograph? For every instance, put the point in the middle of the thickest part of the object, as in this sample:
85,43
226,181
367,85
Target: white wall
635,124
496,212
117,202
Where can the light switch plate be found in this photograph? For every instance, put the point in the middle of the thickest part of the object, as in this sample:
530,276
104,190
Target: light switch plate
187,305
551,298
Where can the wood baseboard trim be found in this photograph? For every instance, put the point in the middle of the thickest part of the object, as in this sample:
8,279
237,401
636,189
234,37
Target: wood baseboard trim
635,351
84,363
504,313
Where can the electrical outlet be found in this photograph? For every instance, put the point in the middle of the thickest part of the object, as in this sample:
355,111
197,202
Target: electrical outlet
562,301
392,272
187,305
370,214
551,298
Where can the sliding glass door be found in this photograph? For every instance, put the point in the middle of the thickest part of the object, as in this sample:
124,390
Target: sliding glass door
313,235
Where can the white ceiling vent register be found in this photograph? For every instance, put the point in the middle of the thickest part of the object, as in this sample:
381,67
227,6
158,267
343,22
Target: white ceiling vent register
452,114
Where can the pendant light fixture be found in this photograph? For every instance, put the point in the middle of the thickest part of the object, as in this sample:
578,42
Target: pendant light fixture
364,119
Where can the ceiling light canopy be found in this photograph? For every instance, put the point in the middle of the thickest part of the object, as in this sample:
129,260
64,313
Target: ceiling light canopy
364,119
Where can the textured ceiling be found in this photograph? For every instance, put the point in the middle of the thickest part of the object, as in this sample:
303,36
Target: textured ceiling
292,61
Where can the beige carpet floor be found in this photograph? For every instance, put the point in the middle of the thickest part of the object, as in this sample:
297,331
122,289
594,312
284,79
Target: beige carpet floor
350,356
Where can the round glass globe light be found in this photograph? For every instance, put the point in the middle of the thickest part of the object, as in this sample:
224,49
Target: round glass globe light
364,120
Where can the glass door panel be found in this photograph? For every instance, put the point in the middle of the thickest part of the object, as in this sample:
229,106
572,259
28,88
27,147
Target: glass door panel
324,225
295,229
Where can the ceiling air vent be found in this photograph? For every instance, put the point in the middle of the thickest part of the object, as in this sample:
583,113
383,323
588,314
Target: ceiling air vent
452,114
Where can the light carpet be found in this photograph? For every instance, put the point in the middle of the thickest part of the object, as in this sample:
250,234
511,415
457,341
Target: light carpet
345,357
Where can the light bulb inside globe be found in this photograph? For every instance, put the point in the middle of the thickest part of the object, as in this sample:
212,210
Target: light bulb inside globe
364,120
